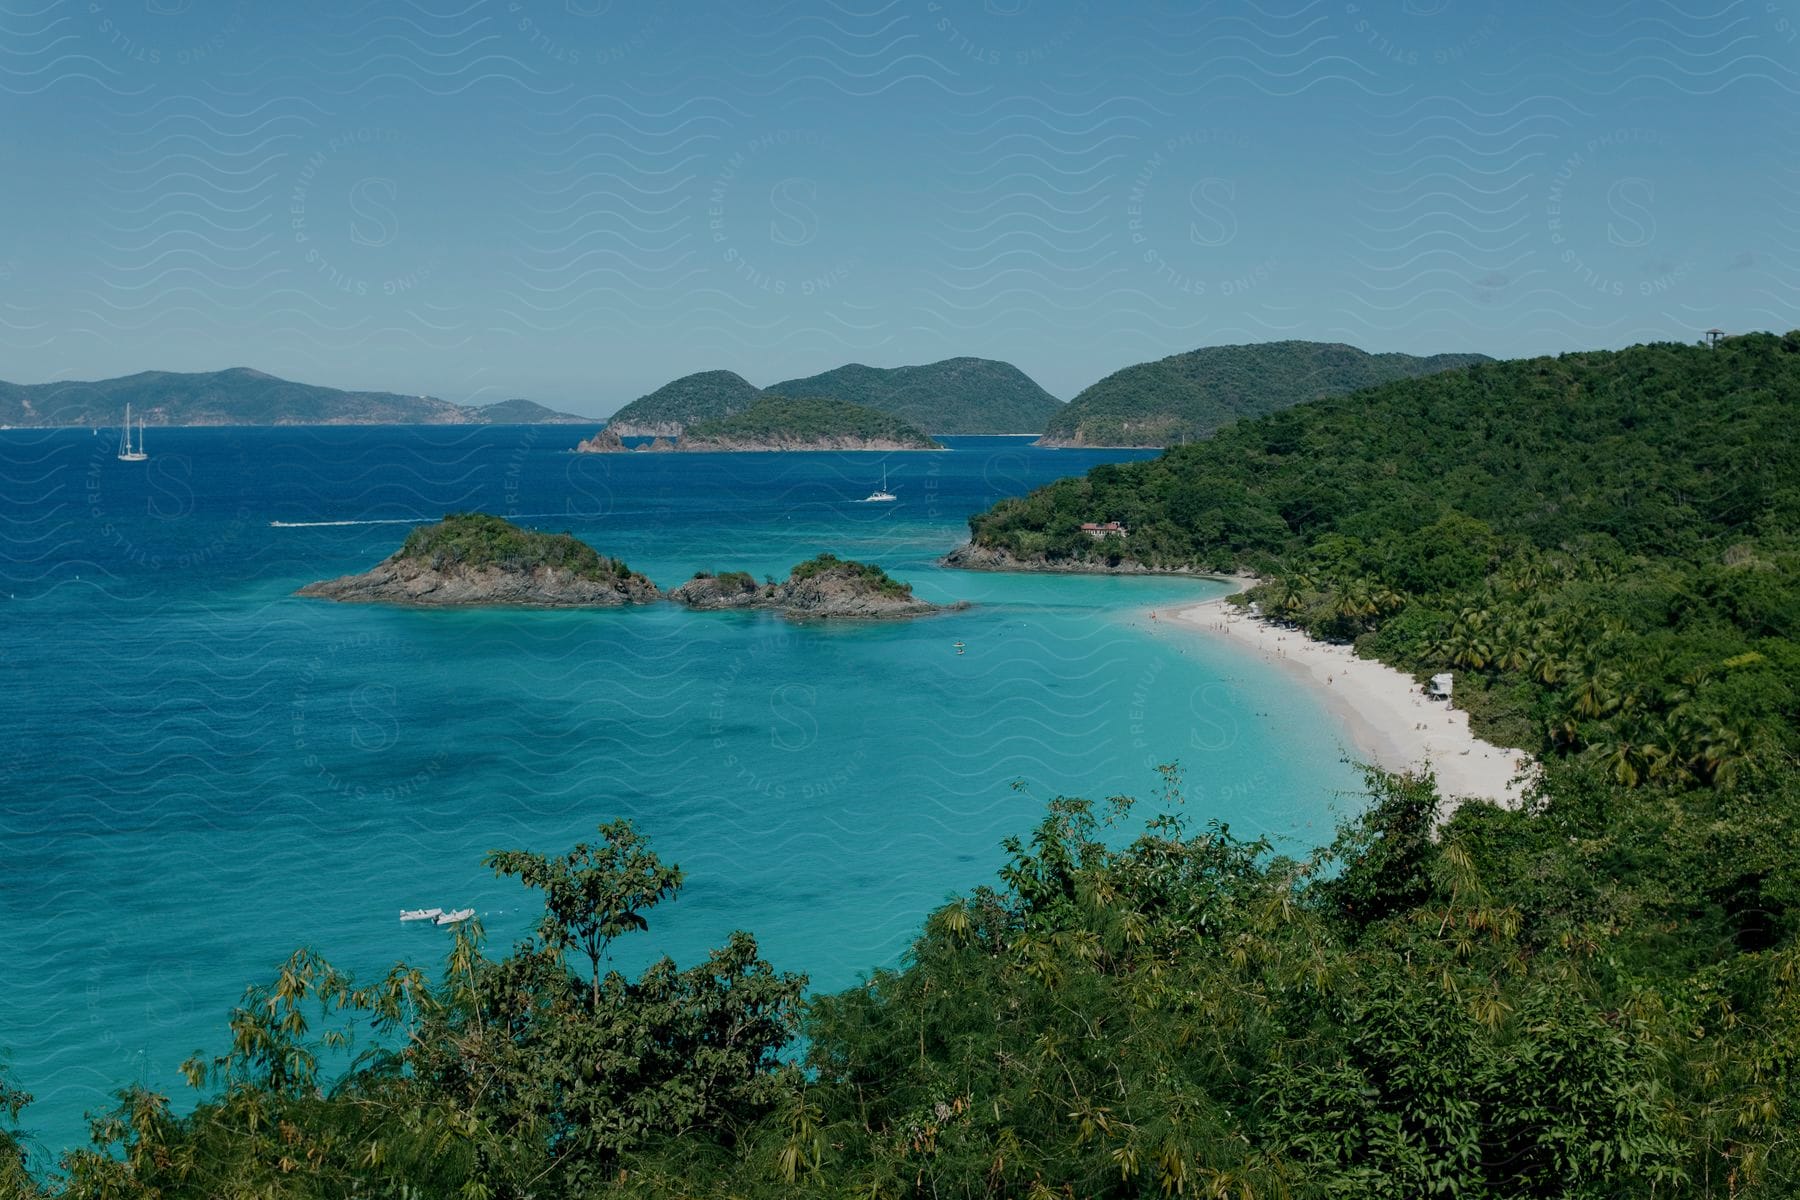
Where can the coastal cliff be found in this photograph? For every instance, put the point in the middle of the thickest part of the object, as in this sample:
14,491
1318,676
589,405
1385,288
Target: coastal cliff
473,560
822,587
609,441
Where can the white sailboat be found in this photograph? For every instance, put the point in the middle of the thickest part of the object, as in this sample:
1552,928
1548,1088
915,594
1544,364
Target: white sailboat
881,496
126,453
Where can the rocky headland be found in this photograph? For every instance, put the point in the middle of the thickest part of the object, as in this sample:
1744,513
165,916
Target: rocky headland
474,560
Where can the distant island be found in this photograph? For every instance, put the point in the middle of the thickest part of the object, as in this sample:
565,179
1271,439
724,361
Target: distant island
1190,396
474,560
955,396
671,408
781,423
241,396
822,587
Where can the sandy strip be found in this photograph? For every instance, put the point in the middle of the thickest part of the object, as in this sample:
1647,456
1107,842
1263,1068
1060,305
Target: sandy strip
1388,717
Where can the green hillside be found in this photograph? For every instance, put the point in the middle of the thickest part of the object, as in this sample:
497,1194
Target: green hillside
241,396
782,422
1603,542
671,408
956,396
1592,996
526,412
1187,396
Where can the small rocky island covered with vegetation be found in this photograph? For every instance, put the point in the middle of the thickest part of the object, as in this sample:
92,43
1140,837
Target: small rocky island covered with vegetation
472,560
782,423
825,586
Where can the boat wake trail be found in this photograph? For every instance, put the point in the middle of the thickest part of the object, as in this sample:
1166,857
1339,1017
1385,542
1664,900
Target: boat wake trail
393,521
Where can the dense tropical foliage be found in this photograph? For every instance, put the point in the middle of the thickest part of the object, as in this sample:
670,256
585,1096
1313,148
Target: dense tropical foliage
1187,396
958,395
1602,545
1596,995
481,540
782,420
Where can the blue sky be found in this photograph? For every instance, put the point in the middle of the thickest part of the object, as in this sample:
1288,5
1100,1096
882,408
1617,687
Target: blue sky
577,200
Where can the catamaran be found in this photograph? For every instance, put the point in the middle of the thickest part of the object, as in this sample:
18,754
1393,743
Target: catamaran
420,914
453,918
883,495
126,453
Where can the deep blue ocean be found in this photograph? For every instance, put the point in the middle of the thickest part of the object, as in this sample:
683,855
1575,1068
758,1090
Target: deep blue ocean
200,772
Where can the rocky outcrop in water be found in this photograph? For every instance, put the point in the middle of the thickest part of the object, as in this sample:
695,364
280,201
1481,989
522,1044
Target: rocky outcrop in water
823,587
473,560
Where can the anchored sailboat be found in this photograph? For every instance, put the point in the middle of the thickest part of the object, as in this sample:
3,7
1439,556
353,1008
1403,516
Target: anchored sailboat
883,495
126,453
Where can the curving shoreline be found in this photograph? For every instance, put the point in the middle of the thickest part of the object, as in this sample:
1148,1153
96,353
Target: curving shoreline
1388,718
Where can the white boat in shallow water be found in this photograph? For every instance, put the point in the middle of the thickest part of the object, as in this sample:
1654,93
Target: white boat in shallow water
421,914
453,918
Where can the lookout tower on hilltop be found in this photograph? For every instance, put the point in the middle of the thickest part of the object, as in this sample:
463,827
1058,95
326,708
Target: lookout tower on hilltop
1712,338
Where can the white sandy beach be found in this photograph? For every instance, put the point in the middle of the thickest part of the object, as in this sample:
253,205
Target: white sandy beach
1388,716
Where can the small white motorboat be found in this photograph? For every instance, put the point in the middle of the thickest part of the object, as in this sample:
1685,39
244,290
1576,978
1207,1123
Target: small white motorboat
420,914
453,918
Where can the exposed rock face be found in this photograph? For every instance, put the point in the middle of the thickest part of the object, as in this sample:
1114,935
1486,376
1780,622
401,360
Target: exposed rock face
971,557
655,429
607,441
734,589
818,589
397,580
661,444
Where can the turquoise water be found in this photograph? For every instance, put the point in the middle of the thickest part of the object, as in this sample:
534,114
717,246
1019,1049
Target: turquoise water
201,772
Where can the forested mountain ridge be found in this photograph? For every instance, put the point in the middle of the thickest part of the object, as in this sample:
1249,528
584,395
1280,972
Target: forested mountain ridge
1186,397
671,408
955,396
806,423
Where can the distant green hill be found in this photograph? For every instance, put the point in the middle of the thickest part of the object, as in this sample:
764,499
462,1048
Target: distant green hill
527,412
671,408
958,395
241,396
1189,396
806,423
